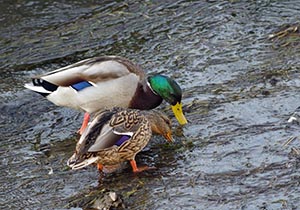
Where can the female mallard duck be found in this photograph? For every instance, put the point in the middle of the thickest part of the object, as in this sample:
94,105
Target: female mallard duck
117,135
105,82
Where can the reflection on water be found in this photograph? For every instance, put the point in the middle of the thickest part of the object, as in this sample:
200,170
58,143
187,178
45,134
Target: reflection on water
240,87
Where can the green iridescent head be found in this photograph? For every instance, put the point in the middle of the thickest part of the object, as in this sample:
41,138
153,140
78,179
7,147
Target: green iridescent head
166,87
170,91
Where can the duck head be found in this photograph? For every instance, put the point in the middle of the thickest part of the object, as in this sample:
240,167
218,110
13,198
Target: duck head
170,91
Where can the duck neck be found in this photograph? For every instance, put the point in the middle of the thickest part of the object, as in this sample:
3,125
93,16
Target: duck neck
153,118
145,98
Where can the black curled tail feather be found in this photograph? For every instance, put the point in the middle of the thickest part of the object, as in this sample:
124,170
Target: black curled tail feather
45,84
41,86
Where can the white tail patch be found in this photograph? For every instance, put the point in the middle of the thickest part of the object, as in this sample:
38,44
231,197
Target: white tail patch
84,163
38,89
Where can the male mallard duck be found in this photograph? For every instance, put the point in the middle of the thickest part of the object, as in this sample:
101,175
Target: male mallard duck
105,82
117,135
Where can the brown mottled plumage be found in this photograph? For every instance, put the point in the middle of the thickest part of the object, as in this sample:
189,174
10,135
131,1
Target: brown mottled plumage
117,135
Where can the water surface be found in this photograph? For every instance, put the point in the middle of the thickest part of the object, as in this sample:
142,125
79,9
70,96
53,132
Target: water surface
240,86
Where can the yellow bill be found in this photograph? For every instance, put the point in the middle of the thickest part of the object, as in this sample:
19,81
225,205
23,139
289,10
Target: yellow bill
177,109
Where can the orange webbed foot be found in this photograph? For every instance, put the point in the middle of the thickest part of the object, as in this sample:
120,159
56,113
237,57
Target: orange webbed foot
100,167
139,169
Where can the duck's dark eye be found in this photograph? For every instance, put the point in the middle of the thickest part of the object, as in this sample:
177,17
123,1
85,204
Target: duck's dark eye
168,122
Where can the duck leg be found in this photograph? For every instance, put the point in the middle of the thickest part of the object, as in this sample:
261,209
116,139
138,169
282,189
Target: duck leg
100,167
84,123
140,169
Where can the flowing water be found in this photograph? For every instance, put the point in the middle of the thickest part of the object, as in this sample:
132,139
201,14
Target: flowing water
237,63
